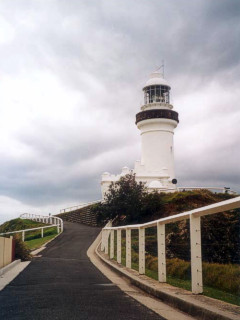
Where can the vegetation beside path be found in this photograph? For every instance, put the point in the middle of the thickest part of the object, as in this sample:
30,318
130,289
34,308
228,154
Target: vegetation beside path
129,203
33,239
19,224
39,242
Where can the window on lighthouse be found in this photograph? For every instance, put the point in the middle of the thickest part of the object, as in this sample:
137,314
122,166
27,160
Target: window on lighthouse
153,94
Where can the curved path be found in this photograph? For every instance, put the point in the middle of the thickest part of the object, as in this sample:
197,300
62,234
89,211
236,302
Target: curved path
64,284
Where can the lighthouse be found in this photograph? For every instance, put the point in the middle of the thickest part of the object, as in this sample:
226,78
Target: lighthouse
156,121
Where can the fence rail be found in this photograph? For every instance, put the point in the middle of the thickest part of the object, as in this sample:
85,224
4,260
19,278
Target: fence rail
217,189
195,240
80,206
44,219
53,221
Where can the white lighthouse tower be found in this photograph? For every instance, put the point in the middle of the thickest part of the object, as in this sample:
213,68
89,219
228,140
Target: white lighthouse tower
156,122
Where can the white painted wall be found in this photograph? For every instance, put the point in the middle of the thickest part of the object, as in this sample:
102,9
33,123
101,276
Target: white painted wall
157,147
5,251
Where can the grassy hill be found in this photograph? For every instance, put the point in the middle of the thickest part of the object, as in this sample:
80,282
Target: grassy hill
33,239
168,204
19,224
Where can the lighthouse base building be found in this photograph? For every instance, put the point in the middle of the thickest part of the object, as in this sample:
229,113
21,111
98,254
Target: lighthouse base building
156,122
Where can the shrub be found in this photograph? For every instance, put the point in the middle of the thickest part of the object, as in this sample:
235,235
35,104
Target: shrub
21,250
128,200
225,277
179,268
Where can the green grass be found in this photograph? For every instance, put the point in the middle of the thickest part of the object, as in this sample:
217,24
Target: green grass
207,291
19,224
38,233
37,243
186,283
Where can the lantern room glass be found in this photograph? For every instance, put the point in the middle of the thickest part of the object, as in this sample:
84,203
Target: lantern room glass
154,94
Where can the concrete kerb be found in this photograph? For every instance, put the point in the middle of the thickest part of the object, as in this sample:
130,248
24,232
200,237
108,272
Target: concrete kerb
198,306
9,267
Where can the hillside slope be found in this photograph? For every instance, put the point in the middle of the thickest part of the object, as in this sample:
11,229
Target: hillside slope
19,224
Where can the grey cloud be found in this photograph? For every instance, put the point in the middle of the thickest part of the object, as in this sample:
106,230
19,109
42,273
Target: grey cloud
105,51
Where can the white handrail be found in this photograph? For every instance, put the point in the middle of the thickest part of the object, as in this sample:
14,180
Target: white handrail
80,206
23,232
195,240
19,231
221,189
52,220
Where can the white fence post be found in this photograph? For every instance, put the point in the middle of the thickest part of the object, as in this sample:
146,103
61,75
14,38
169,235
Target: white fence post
119,245
196,254
42,232
57,226
106,241
161,252
141,251
23,236
112,244
102,242
128,249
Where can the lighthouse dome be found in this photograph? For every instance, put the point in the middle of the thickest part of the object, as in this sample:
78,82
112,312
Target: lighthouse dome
155,184
156,78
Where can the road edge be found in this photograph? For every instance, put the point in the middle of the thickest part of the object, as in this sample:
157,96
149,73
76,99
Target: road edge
199,307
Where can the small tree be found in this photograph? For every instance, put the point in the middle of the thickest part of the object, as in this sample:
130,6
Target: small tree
124,198
129,199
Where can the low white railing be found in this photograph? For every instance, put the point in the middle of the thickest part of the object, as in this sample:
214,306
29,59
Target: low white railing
217,189
26,230
54,221
51,220
80,206
195,240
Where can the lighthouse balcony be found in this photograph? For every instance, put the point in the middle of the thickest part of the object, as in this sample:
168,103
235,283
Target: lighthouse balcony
157,113
156,105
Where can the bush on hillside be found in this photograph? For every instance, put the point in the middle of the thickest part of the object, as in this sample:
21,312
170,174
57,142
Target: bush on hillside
128,200
225,277
21,250
220,238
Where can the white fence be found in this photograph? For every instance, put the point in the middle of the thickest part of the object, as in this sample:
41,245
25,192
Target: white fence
82,205
213,189
195,240
53,221
6,251
44,219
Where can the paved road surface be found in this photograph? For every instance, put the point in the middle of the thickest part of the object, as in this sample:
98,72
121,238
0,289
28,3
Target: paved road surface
64,284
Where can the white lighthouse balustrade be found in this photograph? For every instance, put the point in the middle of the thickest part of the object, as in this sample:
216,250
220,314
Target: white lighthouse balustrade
195,240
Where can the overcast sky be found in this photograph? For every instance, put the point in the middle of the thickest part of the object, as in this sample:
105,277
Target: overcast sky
71,78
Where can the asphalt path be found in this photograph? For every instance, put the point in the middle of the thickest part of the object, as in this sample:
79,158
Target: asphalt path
64,284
